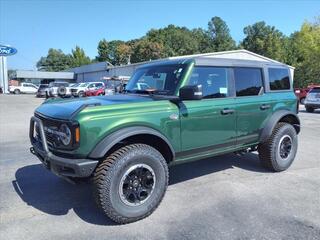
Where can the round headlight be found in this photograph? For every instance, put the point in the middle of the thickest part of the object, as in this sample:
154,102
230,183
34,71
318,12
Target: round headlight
65,135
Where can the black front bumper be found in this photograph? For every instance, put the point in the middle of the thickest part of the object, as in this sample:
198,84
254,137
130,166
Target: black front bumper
63,167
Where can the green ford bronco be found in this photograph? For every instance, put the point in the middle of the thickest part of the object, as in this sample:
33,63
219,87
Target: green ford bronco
171,111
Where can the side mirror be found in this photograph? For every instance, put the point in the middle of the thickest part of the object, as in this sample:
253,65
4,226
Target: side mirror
193,92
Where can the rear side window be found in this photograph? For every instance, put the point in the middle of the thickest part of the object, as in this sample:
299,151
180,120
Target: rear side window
279,79
248,81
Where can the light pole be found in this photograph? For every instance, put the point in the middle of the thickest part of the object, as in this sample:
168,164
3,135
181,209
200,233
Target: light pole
4,52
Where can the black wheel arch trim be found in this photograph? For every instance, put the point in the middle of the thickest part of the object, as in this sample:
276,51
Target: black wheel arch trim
111,140
274,119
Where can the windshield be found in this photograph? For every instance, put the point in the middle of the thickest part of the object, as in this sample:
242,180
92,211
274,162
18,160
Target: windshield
161,79
83,84
74,85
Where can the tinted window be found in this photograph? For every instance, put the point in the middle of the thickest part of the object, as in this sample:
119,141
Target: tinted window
214,81
248,81
279,79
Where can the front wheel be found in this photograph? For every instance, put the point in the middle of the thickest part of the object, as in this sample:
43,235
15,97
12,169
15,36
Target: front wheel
16,91
82,94
279,151
130,184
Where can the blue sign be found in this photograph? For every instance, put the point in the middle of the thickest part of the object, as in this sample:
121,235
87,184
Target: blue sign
7,51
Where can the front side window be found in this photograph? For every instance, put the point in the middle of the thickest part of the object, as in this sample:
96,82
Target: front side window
214,81
248,81
161,79
279,79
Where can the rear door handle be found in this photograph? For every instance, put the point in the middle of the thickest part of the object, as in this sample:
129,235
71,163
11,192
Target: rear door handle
265,106
227,111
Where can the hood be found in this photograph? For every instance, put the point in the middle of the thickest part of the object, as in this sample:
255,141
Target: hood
66,109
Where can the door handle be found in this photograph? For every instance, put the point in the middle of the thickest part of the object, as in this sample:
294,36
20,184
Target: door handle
227,111
265,106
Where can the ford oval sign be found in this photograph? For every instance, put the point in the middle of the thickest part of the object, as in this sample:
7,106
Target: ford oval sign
7,51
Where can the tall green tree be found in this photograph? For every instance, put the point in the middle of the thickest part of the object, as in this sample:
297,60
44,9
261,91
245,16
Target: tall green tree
55,61
175,40
79,58
145,50
305,49
265,40
219,34
102,51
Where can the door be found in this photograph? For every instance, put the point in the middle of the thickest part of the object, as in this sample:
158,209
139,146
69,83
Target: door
252,104
208,125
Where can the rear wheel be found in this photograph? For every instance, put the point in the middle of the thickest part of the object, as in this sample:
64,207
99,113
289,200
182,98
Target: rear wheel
309,109
16,91
130,184
279,151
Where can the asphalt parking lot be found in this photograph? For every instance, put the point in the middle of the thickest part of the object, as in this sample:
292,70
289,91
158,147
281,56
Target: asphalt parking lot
226,197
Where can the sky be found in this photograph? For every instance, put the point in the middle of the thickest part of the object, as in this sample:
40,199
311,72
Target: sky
35,26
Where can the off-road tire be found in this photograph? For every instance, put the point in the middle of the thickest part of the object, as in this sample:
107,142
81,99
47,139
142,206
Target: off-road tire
268,150
109,173
16,91
309,109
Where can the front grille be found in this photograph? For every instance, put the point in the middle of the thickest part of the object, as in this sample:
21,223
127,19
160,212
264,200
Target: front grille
52,140
73,90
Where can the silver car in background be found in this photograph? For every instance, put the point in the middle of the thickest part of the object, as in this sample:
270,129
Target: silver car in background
312,101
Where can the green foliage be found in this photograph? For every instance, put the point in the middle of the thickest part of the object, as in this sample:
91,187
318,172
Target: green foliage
264,40
306,51
55,61
219,34
79,58
145,50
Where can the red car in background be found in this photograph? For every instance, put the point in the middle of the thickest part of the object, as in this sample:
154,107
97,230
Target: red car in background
301,93
98,89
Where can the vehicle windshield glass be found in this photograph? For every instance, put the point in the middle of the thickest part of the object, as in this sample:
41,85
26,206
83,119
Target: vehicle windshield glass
161,79
315,90
83,84
74,85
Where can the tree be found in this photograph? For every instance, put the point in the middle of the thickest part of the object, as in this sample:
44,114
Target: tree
145,50
122,54
306,54
55,61
219,34
102,51
264,40
79,58
175,40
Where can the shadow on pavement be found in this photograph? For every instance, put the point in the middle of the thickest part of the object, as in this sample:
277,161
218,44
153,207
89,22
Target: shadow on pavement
44,191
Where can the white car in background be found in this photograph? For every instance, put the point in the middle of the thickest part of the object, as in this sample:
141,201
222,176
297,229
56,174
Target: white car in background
72,85
23,88
79,91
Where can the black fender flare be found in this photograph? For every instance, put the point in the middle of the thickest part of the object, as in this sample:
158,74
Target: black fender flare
111,140
274,119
